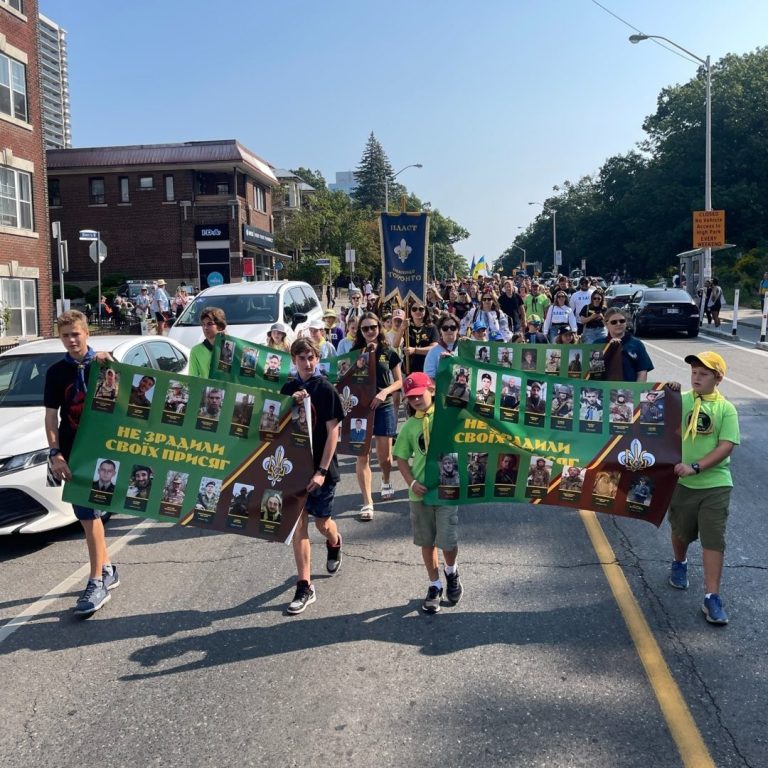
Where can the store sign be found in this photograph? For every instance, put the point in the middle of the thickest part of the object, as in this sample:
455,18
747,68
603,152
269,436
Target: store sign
212,232
257,236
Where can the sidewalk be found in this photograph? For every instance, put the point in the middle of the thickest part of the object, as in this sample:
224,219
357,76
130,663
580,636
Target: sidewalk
750,317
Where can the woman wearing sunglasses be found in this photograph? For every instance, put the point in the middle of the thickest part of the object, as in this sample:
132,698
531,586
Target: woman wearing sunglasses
592,318
418,337
448,328
371,339
488,311
559,316
626,358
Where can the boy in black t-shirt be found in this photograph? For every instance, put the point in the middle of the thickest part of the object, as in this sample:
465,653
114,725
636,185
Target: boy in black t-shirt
327,414
65,389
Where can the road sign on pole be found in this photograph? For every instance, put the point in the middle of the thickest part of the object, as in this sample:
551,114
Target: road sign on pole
323,262
708,229
102,251
89,234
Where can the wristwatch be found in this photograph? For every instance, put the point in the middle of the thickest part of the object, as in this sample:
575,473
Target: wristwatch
321,471
695,467
54,452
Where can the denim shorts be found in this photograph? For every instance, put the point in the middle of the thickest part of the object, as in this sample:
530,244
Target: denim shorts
320,501
86,513
385,421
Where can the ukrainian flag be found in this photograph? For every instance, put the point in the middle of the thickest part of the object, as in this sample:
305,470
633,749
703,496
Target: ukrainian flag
479,268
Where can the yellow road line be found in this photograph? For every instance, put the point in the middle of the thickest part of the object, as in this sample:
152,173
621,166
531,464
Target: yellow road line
682,726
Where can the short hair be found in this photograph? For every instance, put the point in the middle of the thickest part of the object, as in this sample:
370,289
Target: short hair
304,345
611,311
107,461
216,315
72,317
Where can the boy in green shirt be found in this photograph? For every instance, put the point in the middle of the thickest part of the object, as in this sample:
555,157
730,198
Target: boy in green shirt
433,525
699,506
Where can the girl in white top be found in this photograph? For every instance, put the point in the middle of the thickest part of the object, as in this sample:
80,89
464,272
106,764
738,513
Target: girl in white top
490,312
559,316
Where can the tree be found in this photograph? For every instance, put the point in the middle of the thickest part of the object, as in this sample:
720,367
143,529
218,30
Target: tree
315,179
371,174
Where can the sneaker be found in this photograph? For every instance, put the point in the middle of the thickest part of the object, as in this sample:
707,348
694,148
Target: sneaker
453,588
431,602
305,594
387,491
713,610
92,599
110,577
678,575
333,562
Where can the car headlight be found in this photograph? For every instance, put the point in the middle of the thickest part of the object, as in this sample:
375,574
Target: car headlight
23,461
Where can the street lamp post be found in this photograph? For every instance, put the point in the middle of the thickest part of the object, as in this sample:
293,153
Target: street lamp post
705,269
525,260
386,183
554,234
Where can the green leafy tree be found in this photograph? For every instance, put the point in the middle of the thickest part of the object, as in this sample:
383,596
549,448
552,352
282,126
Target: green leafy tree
313,178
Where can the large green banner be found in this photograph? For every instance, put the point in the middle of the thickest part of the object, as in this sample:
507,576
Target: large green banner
508,434
203,453
353,375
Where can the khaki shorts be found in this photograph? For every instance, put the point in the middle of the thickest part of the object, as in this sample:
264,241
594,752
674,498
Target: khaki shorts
435,526
700,513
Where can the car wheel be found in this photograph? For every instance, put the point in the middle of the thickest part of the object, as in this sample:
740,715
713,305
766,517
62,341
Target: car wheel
693,332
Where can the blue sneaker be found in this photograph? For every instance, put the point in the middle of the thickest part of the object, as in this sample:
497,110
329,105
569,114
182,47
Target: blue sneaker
678,575
94,596
110,576
713,610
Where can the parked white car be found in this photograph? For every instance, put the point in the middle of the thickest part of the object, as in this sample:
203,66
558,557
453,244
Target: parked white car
27,504
251,309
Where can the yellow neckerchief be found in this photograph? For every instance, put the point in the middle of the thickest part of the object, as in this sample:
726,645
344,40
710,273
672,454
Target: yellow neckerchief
694,420
426,417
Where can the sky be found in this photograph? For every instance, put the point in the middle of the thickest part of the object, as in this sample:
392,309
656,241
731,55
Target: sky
499,100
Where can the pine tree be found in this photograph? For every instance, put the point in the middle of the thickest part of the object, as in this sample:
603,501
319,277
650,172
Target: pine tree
370,176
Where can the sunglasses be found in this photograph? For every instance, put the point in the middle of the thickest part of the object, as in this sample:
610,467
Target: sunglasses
450,328
617,322
487,298
418,309
366,328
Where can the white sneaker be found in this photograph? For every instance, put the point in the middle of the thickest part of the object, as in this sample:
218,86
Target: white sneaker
387,491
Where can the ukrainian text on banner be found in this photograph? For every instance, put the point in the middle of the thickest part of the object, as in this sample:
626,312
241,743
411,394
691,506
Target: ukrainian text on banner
520,436
404,239
353,375
202,453
576,361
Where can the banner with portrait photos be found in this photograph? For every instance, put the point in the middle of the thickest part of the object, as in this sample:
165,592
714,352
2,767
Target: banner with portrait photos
506,434
353,374
207,454
404,240
574,361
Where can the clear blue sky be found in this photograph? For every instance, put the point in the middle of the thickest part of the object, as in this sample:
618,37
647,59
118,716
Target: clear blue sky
499,99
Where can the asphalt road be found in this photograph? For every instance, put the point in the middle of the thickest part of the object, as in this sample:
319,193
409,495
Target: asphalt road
194,661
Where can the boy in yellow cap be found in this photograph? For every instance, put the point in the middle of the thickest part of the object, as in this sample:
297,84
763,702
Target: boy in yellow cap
699,506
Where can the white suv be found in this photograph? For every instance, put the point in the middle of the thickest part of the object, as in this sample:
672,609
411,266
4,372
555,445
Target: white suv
251,309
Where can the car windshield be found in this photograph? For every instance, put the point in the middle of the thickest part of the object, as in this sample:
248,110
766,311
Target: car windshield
675,295
22,378
240,309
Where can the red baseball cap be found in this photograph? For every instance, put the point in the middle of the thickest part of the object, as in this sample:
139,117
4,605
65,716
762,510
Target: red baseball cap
416,384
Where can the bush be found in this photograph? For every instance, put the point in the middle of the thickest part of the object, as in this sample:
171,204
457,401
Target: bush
70,291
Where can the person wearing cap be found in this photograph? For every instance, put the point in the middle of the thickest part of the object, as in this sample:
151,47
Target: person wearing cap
434,526
559,316
277,338
160,304
371,339
396,326
479,331
317,332
580,299
213,322
333,331
459,386
626,358
141,303
484,395
699,505
567,335
620,411
533,334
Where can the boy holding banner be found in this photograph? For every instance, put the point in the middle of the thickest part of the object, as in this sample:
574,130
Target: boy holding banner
433,526
327,414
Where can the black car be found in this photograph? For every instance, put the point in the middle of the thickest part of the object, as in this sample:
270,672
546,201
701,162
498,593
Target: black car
663,309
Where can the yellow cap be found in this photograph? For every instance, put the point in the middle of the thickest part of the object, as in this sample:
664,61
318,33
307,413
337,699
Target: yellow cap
710,360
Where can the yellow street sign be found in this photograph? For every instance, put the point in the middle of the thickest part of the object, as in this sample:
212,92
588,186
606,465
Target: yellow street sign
708,229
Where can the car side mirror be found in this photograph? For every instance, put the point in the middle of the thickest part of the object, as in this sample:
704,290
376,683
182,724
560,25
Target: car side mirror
299,317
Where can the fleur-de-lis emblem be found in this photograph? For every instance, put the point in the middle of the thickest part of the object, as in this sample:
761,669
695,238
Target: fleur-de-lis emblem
348,400
277,466
403,251
635,458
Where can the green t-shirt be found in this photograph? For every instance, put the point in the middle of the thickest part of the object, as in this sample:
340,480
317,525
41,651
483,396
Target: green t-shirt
718,421
200,357
410,445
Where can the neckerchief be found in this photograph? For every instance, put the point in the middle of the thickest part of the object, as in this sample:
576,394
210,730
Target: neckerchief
425,417
694,420
80,384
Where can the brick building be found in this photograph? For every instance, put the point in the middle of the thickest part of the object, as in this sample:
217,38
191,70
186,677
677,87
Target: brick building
191,211
26,309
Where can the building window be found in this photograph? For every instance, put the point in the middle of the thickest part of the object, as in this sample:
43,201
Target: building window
16,5
54,192
169,193
15,199
18,301
125,192
222,188
13,88
96,191
259,199
146,182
